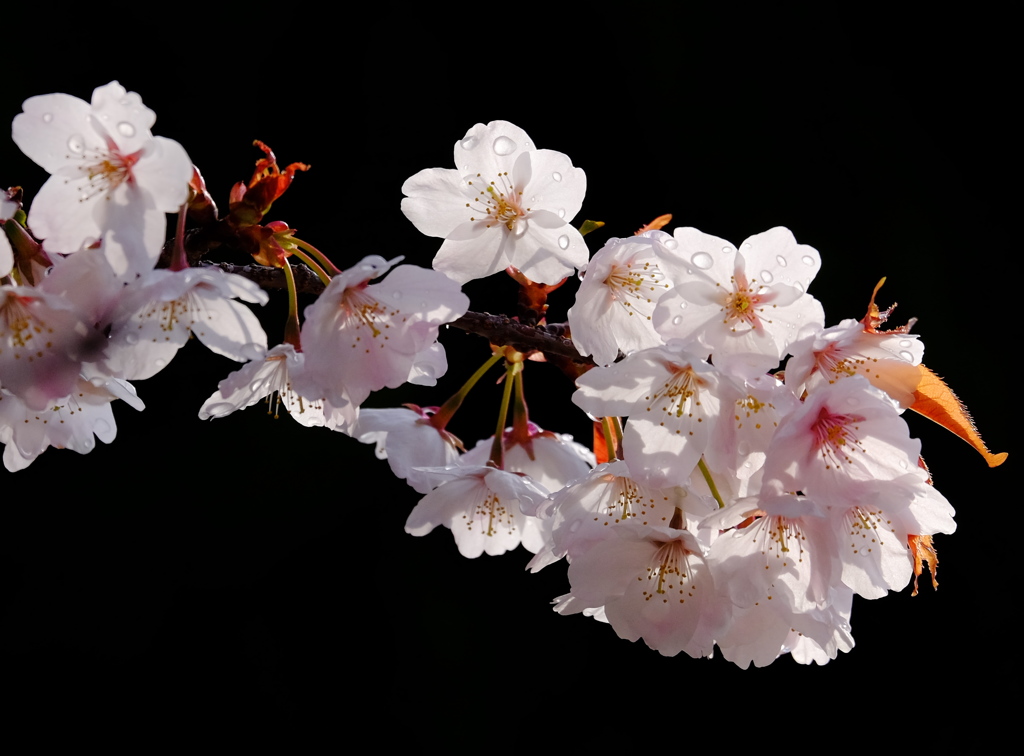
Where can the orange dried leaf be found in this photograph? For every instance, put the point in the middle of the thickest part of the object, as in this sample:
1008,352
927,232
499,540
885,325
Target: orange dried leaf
924,553
658,223
936,401
600,447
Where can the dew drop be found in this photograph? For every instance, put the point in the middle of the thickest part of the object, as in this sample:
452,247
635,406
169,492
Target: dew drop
682,305
563,241
160,363
47,117
89,443
677,320
126,129
702,260
396,295
727,250
556,176
746,246
561,212
255,386
766,276
100,427
521,227
807,260
253,351
504,146
220,409
907,356
781,260
469,143
671,243
905,343
131,338
743,448
903,464
800,287
97,382
76,143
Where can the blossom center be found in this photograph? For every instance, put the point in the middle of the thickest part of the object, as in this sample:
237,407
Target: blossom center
745,303
834,435
635,281
668,570
20,327
106,169
499,203
682,386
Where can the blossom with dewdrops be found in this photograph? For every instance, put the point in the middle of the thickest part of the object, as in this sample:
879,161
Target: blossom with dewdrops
505,203
111,178
744,305
622,285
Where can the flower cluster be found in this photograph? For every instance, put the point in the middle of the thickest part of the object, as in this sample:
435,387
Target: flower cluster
752,470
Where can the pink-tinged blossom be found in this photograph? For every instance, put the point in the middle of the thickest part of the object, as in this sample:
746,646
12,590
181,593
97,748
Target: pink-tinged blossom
671,398
44,340
111,178
744,306
71,422
407,440
653,583
271,377
483,507
844,433
887,360
360,337
165,308
505,203
622,284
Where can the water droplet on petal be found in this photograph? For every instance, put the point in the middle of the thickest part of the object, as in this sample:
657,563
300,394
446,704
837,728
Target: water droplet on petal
907,356
76,143
47,117
702,260
469,143
682,305
253,351
126,129
746,246
561,212
727,250
743,448
807,260
781,260
521,227
504,146
132,338
396,295
677,320
160,363
670,243
556,176
97,381
89,443
905,343
766,276
101,426
563,241
255,386
903,464
220,409
800,287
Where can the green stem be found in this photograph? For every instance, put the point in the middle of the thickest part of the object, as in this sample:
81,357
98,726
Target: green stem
320,272
441,418
711,482
324,260
498,446
291,326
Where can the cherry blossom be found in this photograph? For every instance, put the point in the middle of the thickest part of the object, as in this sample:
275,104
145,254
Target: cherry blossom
483,507
505,203
359,337
746,306
111,178
622,284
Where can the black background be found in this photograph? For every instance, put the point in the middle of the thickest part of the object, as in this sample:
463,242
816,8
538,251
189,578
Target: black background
248,571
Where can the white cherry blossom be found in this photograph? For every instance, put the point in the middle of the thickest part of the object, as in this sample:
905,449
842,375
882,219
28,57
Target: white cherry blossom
505,203
111,178
746,306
